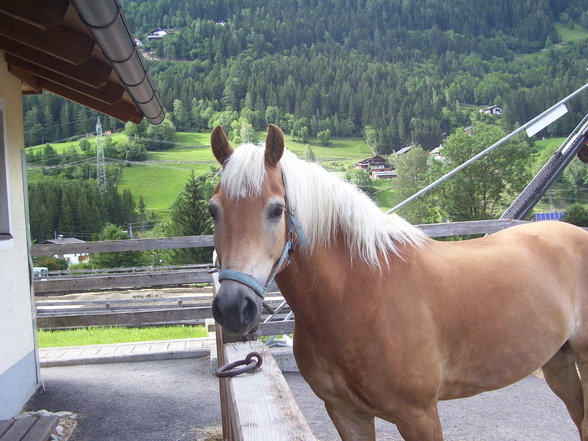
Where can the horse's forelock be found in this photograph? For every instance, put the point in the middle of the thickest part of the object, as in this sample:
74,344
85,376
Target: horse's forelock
244,173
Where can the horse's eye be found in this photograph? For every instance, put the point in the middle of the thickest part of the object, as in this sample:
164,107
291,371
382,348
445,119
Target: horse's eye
213,210
276,211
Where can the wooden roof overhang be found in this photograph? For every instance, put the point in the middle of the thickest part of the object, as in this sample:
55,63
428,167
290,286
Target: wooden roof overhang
81,50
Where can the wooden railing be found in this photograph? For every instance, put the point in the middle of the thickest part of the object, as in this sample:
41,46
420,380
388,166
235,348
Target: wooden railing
170,276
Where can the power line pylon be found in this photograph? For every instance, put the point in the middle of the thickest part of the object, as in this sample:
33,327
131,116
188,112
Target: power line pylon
100,162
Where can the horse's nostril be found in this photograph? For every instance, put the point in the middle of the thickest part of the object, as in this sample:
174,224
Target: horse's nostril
235,308
249,312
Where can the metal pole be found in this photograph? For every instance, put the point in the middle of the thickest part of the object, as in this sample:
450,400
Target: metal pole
486,151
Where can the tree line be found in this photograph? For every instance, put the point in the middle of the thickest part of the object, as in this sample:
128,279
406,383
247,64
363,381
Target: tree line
76,208
406,69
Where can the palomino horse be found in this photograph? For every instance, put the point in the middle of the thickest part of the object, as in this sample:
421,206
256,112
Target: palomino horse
388,321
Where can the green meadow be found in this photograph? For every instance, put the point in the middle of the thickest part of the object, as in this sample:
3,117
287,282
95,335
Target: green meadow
161,177
550,144
158,184
571,34
109,335
565,33
62,147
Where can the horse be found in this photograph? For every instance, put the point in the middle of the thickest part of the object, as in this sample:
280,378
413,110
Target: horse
387,320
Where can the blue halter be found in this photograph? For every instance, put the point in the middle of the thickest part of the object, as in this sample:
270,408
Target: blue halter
294,229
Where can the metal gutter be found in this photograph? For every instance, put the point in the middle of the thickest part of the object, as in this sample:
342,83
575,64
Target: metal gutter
107,24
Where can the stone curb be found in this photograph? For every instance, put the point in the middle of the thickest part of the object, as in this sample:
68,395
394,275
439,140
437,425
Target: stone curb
152,356
130,352
283,355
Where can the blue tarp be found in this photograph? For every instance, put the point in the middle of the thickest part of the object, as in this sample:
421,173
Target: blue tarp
548,216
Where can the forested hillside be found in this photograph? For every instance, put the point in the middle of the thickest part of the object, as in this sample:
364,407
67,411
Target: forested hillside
403,68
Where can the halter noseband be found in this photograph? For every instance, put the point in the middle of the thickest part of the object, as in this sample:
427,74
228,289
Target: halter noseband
293,229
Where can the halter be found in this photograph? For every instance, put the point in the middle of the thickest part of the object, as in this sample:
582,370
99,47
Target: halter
294,229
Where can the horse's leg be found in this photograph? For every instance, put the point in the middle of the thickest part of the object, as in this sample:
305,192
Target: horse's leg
562,377
423,425
580,351
351,425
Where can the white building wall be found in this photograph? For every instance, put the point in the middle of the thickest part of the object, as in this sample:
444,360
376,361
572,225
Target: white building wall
18,361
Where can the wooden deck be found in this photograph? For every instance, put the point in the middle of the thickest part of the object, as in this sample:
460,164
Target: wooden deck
30,428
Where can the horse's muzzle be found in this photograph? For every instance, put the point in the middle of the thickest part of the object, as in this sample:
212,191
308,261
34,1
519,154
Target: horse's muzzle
237,308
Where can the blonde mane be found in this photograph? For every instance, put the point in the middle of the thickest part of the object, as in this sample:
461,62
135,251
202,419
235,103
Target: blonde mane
324,204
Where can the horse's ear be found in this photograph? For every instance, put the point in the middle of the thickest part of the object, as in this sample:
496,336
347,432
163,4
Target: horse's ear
274,145
221,147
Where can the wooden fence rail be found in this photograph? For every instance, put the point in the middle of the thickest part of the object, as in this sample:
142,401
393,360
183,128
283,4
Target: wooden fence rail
127,280
149,276
191,310
113,246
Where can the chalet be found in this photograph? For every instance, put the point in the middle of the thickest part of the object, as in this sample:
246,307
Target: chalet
437,153
373,162
71,259
492,110
383,174
378,167
404,150
80,50
156,34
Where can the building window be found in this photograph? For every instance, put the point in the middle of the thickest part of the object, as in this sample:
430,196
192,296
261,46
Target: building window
5,231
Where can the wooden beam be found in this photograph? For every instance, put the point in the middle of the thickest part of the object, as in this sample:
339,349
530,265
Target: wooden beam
468,228
275,328
109,93
30,83
109,246
125,318
91,72
122,110
59,42
260,404
132,280
41,13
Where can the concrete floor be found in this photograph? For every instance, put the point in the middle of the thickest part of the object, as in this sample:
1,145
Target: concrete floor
177,400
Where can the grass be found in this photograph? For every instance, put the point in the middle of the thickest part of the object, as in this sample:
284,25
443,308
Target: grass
570,34
94,336
345,149
565,33
192,139
550,144
160,183
61,147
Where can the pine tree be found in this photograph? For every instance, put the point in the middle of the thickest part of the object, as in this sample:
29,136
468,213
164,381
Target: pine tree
189,216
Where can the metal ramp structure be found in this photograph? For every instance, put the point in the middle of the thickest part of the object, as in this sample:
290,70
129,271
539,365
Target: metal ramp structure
550,172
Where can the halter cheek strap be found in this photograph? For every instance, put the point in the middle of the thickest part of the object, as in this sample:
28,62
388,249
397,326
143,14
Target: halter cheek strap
294,229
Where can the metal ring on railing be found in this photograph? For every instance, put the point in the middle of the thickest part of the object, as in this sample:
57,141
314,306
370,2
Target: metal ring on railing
228,370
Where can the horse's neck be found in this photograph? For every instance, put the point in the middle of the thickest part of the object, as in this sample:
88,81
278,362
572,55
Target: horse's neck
322,277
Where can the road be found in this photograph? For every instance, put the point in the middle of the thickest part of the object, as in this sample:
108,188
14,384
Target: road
177,400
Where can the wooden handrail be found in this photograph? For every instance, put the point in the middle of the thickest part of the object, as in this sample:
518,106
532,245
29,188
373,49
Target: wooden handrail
113,246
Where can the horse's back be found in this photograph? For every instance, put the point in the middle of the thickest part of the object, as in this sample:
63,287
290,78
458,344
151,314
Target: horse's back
518,293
